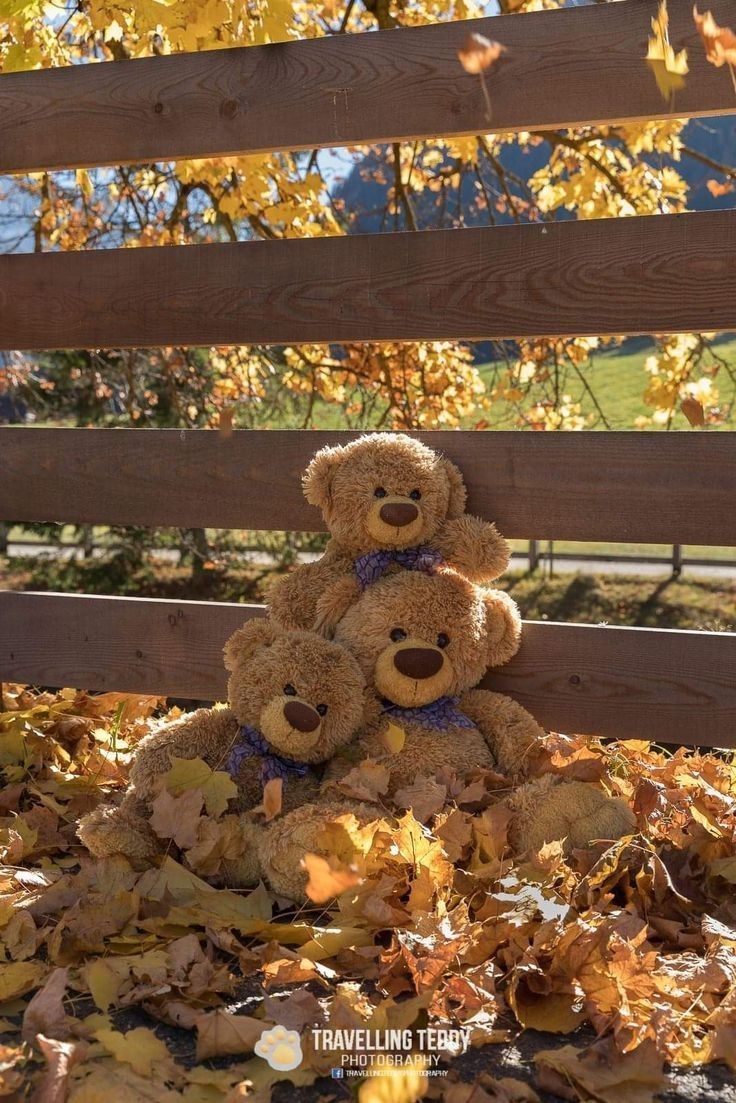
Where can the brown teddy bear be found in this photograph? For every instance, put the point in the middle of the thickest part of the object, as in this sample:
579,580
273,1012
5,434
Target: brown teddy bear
389,503
423,643
294,699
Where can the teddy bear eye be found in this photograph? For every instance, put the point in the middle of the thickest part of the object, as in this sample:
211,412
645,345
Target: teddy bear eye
398,634
380,492
289,690
416,495
443,639
322,710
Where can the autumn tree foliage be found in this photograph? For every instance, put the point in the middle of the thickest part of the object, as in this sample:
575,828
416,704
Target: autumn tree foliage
594,172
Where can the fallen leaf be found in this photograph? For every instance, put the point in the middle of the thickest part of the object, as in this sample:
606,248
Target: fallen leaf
139,1048
368,781
272,797
45,1013
327,878
19,977
392,737
602,1073
220,1034
61,1057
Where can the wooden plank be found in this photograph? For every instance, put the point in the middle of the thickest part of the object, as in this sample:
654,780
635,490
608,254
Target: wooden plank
676,687
551,486
562,68
607,276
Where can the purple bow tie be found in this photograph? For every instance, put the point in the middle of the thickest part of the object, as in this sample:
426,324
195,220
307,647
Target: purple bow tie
369,568
440,714
251,743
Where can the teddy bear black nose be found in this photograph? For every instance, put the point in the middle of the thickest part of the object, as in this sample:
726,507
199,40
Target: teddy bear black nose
302,717
398,514
418,662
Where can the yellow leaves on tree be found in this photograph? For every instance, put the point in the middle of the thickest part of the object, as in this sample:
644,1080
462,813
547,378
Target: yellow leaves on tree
669,67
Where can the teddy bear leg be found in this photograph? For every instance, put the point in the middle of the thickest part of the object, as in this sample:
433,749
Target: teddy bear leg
285,842
245,870
574,811
121,830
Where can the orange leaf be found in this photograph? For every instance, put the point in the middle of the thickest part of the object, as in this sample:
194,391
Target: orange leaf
693,411
327,878
478,53
272,797
719,42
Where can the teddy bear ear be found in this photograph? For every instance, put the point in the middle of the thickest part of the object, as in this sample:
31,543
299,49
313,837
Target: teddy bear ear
317,480
458,493
244,643
503,627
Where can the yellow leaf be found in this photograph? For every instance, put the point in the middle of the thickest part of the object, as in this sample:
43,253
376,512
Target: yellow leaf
272,796
103,980
404,1086
139,1048
192,773
668,67
20,977
393,738
327,879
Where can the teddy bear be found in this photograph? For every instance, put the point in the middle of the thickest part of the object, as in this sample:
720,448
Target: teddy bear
423,643
390,503
294,699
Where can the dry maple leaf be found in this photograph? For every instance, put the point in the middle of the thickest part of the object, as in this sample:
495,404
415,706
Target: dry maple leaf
177,818
669,68
45,1013
220,1034
719,42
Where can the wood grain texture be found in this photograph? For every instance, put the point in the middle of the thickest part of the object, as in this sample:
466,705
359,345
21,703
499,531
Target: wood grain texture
676,687
562,68
551,486
607,276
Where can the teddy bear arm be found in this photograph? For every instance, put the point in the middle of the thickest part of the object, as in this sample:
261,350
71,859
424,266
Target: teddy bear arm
208,734
293,600
512,734
334,603
474,548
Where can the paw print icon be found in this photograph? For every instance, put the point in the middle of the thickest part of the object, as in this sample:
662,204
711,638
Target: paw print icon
281,1048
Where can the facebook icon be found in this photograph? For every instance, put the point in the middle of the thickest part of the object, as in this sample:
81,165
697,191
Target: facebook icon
338,1074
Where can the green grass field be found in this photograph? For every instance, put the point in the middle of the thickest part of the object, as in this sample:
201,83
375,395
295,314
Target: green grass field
618,381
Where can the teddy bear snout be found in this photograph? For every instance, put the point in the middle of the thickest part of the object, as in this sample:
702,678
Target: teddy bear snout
419,662
398,514
302,717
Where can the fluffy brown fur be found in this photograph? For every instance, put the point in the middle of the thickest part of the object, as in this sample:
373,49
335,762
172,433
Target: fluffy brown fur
270,671
356,486
456,631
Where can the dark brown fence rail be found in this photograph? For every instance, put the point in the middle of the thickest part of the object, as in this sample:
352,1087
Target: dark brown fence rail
562,68
552,486
607,276
676,687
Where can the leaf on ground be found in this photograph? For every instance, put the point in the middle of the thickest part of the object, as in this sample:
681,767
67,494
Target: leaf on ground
45,1013
139,1048
424,797
602,1073
61,1057
220,1034
272,797
405,1085
217,786
368,781
19,977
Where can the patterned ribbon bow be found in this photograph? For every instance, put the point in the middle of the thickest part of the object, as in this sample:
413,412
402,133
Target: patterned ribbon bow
370,567
440,714
250,743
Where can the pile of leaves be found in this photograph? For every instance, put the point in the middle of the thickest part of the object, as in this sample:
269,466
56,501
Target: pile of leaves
436,925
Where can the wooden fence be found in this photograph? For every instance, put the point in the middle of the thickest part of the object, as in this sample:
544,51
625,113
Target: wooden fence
637,275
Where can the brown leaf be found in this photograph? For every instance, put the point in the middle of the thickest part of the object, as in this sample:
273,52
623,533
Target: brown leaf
693,411
225,422
602,1073
45,1013
368,781
177,818
478,53
61,1057
327,878
272,797
424,797
220,1034
719,42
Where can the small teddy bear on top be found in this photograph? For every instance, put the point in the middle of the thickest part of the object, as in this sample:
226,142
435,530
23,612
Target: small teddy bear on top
390,503
294,699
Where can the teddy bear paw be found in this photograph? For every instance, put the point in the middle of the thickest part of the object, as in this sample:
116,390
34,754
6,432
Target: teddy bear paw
281,1048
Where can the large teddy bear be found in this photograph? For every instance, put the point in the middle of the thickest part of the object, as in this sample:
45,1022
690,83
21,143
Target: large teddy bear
390,503
423,643
294,700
